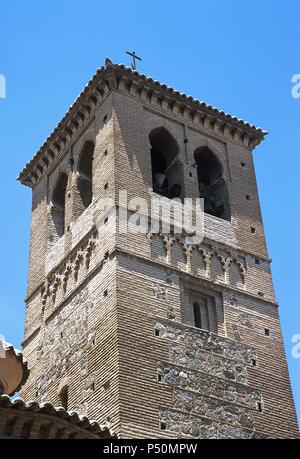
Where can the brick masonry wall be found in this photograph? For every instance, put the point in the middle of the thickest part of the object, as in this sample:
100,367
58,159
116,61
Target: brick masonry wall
131,356
143,308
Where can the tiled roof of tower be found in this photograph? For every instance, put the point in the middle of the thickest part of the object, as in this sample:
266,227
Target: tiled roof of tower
33,409
118,70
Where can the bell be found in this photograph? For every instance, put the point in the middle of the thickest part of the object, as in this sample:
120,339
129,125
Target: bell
160,184
159,180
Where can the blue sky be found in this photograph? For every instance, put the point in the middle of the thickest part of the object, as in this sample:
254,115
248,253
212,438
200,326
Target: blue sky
238,55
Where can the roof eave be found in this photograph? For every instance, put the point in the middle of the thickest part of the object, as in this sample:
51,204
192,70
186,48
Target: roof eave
101,83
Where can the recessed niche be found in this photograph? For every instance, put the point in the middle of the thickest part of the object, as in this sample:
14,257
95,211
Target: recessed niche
259,407
106,385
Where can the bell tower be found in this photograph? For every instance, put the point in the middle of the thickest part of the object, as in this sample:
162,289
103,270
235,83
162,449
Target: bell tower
156,337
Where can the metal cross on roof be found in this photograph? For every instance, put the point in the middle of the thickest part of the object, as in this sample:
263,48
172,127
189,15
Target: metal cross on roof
134,57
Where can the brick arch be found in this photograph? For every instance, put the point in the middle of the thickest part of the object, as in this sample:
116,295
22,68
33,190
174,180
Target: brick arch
215,150
57,205
211,182
61,174
198,263
88,136
63,168
63,383
158,247
155,122
216,267
165,160
236,273
178,255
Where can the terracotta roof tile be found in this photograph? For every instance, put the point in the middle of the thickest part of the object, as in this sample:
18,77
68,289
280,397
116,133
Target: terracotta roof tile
47,408
100,73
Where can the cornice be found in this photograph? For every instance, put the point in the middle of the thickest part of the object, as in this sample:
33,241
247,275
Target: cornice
117,77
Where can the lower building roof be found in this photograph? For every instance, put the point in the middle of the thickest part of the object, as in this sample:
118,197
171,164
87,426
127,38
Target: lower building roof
20,419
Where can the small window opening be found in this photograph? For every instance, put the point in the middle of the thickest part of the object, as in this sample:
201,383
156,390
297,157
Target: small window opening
197,315
85,171
58,204
64,397
267,332
259,407
106,385
202,319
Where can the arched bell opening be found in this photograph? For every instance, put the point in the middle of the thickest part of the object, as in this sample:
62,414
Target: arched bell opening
167,175
212,185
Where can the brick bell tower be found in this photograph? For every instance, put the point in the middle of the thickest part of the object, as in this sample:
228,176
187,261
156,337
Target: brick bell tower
155,337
